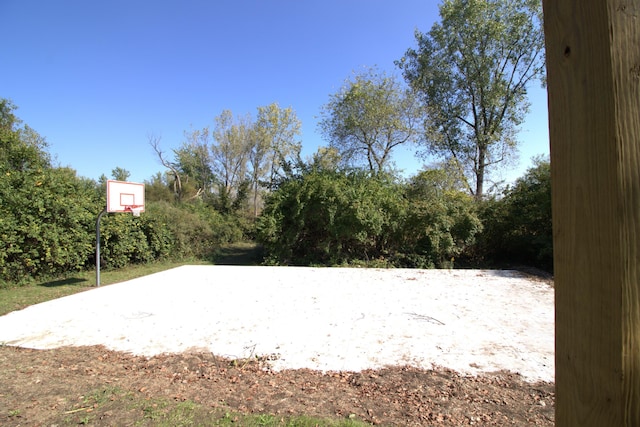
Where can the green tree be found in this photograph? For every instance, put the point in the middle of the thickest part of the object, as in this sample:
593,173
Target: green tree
368,117
326,159
435,181
230,153
8,120
174,171
518,227
194,162
258,163
45,212
442,221
471,71
157,189
22,149
276,130
120,174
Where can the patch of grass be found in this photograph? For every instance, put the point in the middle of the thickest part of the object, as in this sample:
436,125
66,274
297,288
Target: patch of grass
163,412
183,414
19,297
168,413
115,406
188,413
153,410
266,420
103,395
93,405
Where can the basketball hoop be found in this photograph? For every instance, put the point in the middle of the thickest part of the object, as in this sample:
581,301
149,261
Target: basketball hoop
122,196
134,209
125,196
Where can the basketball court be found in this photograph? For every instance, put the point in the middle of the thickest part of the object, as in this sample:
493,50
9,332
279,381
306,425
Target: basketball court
328,319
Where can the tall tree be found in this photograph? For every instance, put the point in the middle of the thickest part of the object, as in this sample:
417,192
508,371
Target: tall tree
437,180
472,71
194,158
368,117
21,147
45,211
230,153
120,174
185,172
157,189
277,129
257,162
173,166
326,159
8,120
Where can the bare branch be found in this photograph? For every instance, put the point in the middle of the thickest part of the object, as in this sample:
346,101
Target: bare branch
154,141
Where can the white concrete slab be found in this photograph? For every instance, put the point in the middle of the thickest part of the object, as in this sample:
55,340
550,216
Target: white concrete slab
471,321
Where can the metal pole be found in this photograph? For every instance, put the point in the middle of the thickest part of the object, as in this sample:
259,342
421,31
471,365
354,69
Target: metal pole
98,246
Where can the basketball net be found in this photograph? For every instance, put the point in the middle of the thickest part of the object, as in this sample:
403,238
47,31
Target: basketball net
134,209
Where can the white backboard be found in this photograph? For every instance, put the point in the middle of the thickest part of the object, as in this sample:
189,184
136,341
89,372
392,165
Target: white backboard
125,196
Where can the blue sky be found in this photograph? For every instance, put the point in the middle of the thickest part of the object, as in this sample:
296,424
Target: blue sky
96,78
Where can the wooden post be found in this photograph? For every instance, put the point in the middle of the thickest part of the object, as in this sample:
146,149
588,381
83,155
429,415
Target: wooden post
593,63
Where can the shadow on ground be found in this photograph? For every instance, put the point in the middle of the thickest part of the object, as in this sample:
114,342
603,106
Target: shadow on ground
239,254
63,282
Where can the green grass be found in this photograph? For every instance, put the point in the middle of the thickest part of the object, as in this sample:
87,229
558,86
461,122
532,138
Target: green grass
137,410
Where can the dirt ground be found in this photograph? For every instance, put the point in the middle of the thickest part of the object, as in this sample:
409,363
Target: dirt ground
51,387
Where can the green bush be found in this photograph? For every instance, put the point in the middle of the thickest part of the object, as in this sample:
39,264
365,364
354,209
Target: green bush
160,240
518,227
192,236
45,223
188,230
123,241
326,217
45,212
439,228
226,228
336,218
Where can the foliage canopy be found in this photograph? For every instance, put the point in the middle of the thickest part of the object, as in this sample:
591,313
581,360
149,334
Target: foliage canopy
370,116
471,72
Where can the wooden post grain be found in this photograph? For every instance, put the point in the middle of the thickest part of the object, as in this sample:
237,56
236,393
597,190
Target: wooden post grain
593,63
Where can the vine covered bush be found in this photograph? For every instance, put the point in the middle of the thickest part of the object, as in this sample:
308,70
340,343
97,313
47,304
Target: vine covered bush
334,218
330,218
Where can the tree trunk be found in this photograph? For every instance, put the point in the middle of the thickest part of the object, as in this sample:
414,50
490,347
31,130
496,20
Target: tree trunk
482,159
255,197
